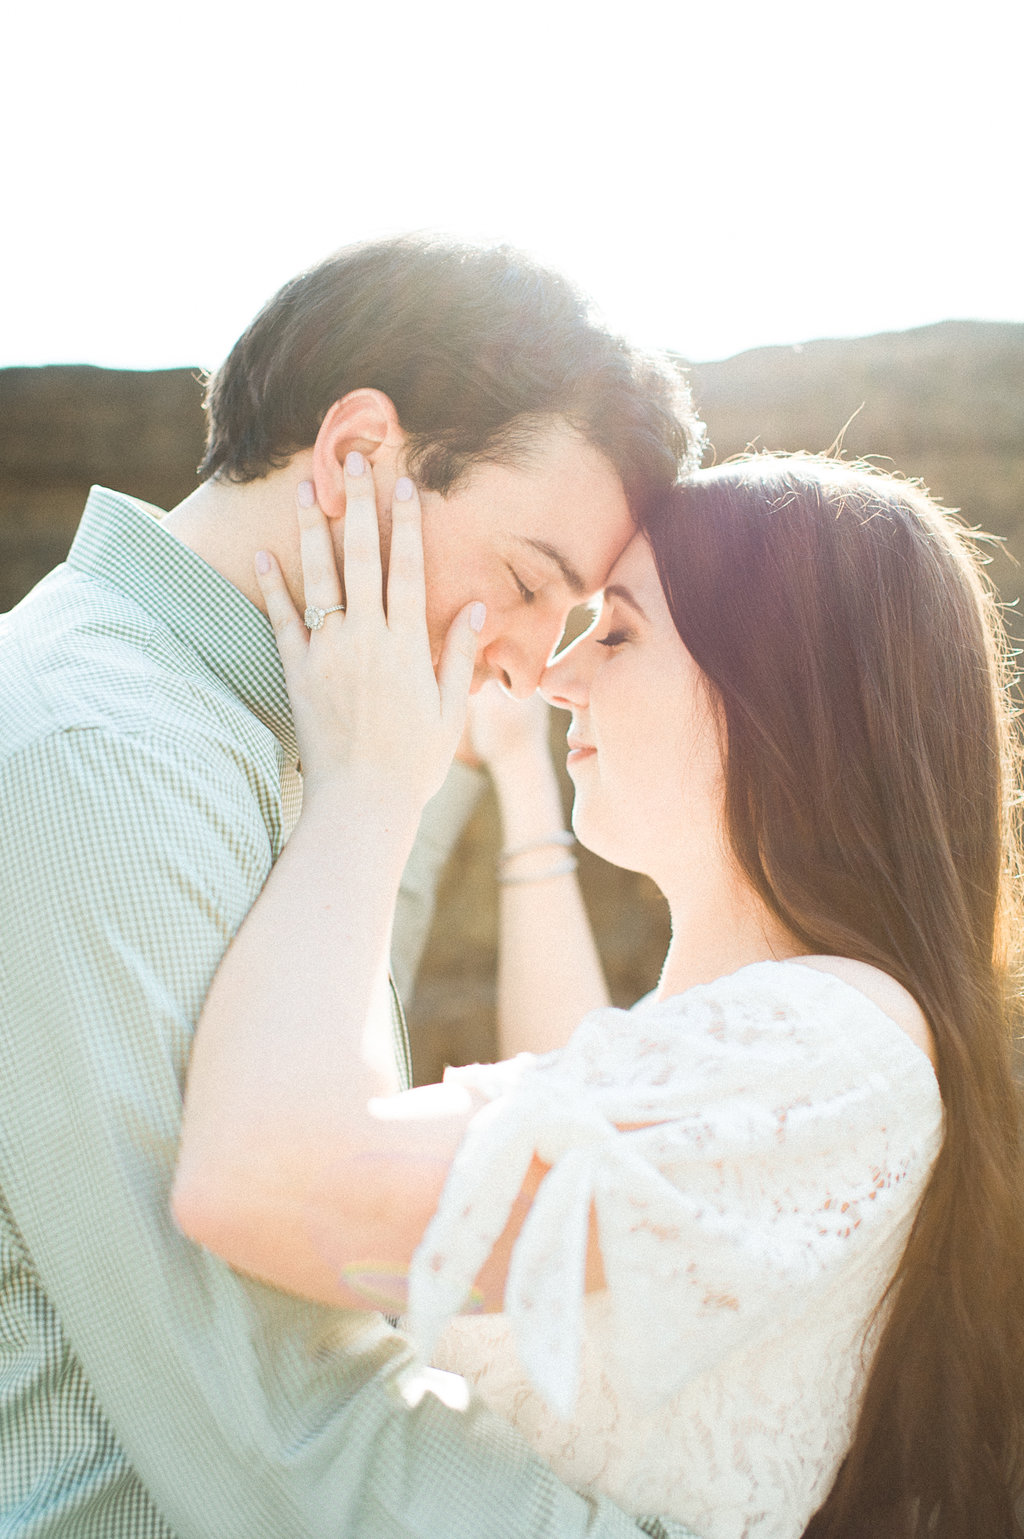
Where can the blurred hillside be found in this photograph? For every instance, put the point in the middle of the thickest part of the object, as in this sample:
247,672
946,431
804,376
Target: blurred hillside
66,428
944,403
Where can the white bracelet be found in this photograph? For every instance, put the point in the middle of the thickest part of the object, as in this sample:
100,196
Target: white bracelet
563,836
563,868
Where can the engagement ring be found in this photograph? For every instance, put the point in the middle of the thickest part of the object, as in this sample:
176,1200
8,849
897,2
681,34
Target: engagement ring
315,616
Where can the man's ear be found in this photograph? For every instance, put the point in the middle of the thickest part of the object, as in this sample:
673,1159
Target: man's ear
365,420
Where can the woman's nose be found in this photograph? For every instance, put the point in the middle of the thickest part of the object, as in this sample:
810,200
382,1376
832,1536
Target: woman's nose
563,682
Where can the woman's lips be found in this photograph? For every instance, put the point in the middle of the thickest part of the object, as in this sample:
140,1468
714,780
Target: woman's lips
578,752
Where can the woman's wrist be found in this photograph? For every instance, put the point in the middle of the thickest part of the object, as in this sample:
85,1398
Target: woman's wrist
532,817
538,860
352,815
536,843
524,779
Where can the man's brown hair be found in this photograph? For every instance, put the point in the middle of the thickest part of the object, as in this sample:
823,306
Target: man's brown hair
478,348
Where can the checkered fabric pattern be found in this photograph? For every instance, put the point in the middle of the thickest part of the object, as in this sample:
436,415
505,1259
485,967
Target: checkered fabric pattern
148,780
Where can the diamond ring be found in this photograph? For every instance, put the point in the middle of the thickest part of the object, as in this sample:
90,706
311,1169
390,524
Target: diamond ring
315,616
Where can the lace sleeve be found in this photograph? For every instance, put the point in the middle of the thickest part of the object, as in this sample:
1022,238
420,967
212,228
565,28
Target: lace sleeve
789,1129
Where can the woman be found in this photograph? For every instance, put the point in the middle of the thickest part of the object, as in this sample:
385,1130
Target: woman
755,1266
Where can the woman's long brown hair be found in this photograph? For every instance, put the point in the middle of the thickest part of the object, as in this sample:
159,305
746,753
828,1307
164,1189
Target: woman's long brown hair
843,621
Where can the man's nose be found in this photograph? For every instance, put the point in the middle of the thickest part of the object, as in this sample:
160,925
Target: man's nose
519,661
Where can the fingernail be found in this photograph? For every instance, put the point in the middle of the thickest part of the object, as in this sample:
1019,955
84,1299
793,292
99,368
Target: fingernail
403,489
354,463
262,559
306,494
477,616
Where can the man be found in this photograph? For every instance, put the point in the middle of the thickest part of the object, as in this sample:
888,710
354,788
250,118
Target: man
148,780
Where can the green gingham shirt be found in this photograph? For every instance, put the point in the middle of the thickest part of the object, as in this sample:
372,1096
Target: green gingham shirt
148,780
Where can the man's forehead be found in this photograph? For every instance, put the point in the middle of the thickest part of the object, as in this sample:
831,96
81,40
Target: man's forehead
563,504
573,577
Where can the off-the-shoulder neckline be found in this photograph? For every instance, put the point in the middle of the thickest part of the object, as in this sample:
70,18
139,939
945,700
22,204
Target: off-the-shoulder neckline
829,979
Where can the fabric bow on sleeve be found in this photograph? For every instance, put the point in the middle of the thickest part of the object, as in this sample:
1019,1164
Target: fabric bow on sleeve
742,1148
544,1291
572,1127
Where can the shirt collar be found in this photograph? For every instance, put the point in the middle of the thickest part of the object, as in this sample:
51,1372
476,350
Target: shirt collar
121,541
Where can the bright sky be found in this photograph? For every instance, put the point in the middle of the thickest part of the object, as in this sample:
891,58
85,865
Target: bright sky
717,175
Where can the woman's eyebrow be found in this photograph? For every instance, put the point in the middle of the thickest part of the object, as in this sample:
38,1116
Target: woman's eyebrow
573,581
616,590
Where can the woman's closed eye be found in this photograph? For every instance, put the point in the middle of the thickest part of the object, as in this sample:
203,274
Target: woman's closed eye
613,638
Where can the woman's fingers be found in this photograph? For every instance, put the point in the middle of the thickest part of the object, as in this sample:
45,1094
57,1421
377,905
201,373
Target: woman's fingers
406,595
321,584
366,701
289,629
407,607
455,670
363,576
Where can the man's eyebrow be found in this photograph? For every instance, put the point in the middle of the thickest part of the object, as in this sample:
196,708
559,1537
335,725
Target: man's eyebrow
616,590
573,581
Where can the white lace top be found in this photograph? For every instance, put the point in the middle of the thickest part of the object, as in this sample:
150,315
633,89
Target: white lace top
746,1234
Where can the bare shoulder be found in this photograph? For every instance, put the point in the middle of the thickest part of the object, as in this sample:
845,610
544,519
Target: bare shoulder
891,997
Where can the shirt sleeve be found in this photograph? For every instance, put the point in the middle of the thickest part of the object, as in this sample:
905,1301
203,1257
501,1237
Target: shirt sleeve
244,1412
788,1129
444,818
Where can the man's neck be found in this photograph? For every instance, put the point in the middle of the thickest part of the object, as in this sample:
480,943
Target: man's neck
227,522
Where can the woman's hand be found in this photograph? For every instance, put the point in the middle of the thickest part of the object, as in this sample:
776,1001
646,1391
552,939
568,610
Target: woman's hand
372,720
503,734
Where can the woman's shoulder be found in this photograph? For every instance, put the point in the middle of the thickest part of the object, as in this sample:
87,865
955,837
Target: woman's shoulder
800,997
889,996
